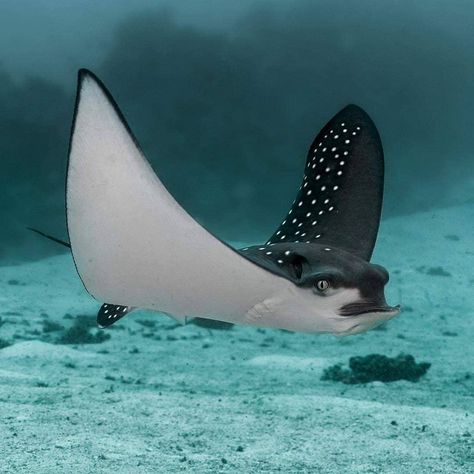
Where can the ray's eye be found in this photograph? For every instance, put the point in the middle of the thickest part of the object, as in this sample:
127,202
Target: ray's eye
322,285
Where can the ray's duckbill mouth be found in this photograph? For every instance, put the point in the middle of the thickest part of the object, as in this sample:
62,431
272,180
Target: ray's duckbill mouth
367,307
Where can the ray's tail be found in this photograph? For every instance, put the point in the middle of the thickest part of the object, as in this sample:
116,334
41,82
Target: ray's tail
50,237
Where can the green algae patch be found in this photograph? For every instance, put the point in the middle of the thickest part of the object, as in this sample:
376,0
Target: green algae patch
377,367
82,332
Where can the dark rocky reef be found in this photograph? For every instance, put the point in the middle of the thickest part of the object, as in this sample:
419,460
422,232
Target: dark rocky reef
81,332
377,367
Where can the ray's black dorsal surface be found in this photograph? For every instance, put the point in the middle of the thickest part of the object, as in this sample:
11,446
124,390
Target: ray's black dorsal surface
340,199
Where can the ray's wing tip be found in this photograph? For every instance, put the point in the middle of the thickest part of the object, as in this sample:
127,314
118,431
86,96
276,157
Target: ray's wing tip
355,113
354,110
352,106
86,79
89,83
84,73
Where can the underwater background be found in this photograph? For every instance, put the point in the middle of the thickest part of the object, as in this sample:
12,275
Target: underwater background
225,98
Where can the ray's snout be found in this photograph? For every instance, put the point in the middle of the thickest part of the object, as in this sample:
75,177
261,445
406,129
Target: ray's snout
367,307
372,297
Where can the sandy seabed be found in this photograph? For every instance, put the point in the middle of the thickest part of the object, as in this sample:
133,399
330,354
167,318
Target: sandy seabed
159,397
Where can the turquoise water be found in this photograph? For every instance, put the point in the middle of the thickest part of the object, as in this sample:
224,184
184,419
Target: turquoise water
225,102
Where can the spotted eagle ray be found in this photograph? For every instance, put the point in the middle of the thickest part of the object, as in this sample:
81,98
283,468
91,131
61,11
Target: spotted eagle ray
135,247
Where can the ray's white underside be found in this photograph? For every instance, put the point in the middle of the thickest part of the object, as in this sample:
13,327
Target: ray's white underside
132,243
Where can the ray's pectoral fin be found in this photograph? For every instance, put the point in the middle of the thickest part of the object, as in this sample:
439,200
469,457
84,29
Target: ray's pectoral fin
340,199
110,313
131,241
